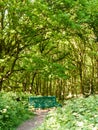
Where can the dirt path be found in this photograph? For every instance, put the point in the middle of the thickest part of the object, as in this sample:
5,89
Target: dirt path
32,124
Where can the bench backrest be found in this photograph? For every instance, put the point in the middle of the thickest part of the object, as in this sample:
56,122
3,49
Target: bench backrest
43,101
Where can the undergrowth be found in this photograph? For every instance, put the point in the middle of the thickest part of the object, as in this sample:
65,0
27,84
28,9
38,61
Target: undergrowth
13,110
76,114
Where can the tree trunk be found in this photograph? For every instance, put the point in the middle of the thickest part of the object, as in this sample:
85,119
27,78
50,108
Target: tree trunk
32,83
1,82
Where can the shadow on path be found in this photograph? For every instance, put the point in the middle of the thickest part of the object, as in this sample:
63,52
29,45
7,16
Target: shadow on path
32,124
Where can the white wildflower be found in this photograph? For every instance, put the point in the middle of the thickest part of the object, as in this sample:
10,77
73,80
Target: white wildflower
80,124
4,110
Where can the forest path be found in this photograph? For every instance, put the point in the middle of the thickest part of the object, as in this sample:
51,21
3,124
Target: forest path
32,124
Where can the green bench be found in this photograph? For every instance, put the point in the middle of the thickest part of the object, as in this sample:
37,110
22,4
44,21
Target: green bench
43,102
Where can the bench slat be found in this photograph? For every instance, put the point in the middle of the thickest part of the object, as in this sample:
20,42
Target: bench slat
44,102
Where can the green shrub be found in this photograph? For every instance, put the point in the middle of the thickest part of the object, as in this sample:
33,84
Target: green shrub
77,114
12,112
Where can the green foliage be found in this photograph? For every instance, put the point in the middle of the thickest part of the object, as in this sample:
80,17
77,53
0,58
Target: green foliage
50,39
77,114
12,112
44,67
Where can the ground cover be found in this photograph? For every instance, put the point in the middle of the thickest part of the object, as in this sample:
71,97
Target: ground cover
13,110
76,114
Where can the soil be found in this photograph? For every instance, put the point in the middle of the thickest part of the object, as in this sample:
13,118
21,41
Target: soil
32,124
